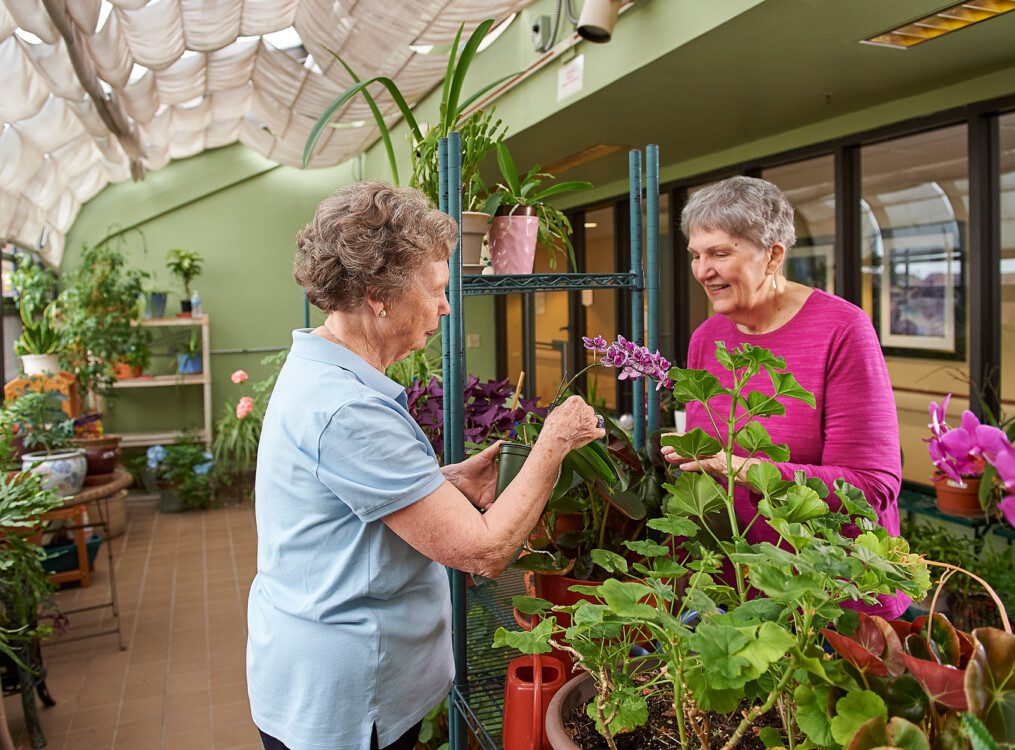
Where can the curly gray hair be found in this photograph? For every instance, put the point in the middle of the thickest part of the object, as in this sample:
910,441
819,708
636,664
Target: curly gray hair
746,207
369,239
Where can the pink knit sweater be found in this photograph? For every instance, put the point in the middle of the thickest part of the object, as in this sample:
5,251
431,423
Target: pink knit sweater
832,349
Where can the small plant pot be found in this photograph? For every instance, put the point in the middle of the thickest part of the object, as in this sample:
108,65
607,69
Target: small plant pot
957,500
37,364
61,471
475,225
154,305
188,364
123,371
510,460
184,308
513,241
526,699
170,500
575,693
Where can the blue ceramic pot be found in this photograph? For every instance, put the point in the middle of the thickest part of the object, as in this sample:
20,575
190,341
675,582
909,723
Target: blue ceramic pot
155,305
188,365
61,471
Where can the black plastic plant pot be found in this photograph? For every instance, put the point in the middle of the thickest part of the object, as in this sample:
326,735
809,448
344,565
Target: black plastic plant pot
185,306
510,460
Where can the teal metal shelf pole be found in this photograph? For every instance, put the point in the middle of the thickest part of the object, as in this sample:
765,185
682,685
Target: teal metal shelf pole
637,303
652,271
454,429
442,204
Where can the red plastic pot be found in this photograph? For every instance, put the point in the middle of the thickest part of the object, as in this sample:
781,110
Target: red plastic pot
532,681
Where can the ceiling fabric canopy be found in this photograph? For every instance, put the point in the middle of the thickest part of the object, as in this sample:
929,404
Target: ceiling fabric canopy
175,77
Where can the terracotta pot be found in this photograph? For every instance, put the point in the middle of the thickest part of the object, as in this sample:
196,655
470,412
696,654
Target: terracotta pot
532,681
102,453
513,241
576,693
475,225
956,500
123,371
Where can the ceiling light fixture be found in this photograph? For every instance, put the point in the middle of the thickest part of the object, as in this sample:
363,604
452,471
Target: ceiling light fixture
597,20
586,155
952,18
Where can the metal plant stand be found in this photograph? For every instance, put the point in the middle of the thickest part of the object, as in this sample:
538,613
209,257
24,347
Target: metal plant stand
476,702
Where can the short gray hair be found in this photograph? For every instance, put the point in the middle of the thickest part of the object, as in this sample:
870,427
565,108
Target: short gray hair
746,207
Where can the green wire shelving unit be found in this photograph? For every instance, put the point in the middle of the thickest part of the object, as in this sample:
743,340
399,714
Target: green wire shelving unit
476,701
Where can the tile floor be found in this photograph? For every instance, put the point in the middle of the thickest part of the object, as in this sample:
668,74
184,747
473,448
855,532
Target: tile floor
180,683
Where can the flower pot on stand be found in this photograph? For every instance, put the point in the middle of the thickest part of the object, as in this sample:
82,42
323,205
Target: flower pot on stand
101,453
184,309
61,471
188,364
36,364
532,682
513,241
155,305
575,693
957,499
475,225
170,500
123,371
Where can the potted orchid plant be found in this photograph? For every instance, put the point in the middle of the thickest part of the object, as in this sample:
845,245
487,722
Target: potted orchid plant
975,465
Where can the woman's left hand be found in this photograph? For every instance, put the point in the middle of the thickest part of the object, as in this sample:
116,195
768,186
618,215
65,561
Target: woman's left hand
713,465
476,476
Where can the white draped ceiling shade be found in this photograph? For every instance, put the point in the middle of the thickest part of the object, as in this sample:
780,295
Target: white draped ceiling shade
181,76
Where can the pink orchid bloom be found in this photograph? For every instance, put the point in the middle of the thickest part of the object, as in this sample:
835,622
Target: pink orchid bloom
238,377
244,407
937,417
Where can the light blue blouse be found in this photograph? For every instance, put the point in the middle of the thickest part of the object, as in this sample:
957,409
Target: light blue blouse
348,626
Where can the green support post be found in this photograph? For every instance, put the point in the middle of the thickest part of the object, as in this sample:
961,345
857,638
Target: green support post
652,270
637,303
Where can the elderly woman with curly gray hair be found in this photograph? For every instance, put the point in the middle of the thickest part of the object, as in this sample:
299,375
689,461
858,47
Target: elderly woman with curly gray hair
349,641
739,232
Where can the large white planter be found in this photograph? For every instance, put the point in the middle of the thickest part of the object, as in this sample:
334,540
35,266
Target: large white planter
61,471
36,364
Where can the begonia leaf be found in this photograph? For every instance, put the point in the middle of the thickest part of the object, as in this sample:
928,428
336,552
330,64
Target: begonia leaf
990,682
942,683
897,733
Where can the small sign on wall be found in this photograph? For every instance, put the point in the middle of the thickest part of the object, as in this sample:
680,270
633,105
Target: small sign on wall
570,78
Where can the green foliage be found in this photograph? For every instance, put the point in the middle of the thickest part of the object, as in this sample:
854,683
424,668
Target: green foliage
186,467
185,265
422,364
40,335
38,419
97,308
33,285
236,437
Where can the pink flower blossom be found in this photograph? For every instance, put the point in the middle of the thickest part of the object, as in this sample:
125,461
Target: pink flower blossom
244,407
632,360
238,377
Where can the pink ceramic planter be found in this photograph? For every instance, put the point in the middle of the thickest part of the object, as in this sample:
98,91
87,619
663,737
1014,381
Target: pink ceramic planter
513,243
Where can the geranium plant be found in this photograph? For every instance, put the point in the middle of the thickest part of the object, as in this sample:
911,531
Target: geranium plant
238,431
733,628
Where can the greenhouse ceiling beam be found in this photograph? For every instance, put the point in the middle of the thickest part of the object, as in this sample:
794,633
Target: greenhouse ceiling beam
109,109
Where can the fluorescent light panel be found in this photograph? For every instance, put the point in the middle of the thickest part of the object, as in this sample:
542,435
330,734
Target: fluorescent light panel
586,155
952,18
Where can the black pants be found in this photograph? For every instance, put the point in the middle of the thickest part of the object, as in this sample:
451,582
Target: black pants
406,742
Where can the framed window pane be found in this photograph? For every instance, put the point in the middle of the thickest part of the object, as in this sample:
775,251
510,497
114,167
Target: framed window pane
914,211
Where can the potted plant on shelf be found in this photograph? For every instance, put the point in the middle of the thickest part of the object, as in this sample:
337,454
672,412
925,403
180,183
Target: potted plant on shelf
188,359
712,639
98,312
46,433
183,474
479,129
185,265
40,342
523,218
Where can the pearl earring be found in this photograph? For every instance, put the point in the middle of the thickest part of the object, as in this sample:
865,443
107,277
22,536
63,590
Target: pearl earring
775,287
383,313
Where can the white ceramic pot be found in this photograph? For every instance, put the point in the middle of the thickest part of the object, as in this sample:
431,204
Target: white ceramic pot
36,364
61,471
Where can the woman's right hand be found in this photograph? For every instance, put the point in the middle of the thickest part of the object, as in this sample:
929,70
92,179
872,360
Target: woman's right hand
574,423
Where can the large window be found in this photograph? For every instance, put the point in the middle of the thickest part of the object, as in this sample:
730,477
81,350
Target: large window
1007,131
810,187
914,214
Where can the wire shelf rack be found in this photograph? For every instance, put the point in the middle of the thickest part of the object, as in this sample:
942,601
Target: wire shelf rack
545,282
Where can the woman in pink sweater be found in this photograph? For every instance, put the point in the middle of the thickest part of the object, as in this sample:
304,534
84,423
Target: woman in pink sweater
739,231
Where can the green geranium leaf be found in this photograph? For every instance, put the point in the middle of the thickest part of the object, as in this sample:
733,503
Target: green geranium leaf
771,737
695,385
755,612
754,438
535,641
531,605
767,646
800,504
786,386
628,708
854,504
693,444
853,711
762,357
719,647
708,695
667,567
647,548
812,714
760,405
624,599
700,602
694,494
611,562
765,477
675,525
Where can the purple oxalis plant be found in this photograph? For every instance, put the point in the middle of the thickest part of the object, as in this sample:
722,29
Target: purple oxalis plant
487,412
962,452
